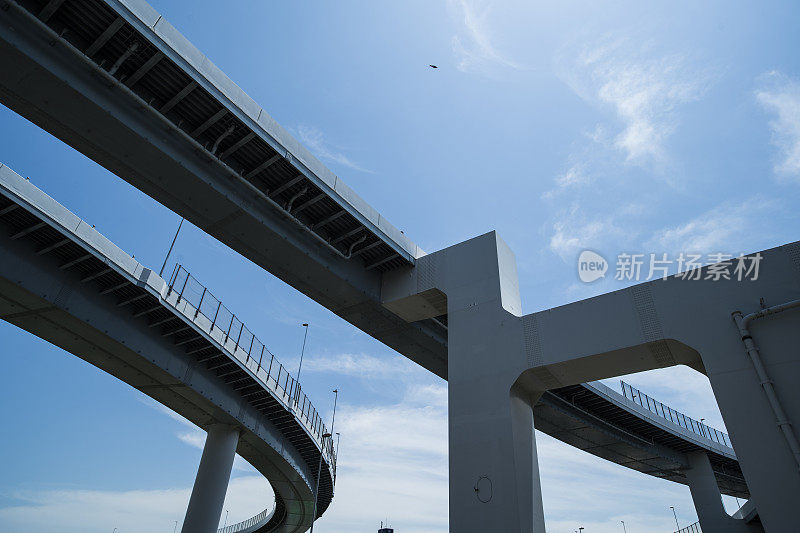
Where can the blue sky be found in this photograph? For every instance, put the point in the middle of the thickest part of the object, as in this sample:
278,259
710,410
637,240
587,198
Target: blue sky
618,127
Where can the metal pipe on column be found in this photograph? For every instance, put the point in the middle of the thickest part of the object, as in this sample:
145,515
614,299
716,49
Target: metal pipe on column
781,419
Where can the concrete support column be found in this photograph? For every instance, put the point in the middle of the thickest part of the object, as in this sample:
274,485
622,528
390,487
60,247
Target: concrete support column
708,501
494,472
211,483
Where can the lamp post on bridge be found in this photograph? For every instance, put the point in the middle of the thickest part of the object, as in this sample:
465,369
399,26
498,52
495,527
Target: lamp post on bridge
300,366
321,453
175,238
623,526
676,518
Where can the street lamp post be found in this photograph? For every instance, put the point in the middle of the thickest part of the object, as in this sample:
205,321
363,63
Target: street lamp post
676,518
623,526
225,523
174,529
175,238
321,453
335,400
300,366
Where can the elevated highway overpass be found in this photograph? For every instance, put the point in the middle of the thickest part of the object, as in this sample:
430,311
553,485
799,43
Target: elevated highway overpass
175,341
114,80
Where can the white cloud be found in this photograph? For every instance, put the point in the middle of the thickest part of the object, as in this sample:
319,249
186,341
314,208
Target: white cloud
393,464
474,48
781,96
725,228
575,177
643,91
145,511
190,433
580,490
574,232
361,365
314,140
680,387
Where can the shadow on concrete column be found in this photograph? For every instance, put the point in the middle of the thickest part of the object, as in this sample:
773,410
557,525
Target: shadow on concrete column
211,483
708,500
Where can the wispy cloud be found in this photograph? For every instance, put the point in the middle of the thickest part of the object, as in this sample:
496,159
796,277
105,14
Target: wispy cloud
725,228
393,464
315,141
641,92
780,95
190,434
573,232
574,179
576,176
644,91
361,365
473,45
97,511
684,388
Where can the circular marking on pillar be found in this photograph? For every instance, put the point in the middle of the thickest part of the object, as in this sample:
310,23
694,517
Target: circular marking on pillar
483,489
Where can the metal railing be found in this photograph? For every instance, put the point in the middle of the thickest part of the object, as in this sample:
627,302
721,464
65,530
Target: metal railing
263,516
693,528
236,338
677,418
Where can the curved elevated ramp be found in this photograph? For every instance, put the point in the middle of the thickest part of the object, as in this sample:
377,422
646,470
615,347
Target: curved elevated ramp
64,282
598,420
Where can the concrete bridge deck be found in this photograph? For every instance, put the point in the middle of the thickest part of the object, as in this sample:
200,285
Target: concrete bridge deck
596,419
64,282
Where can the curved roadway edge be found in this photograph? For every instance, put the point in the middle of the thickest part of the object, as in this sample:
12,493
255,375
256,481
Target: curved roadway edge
260,522
600,421
64,282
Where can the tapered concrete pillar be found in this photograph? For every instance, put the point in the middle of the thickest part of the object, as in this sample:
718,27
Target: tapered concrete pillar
494,473
708,501
211,483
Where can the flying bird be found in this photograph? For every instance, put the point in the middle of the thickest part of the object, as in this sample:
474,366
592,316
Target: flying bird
433,66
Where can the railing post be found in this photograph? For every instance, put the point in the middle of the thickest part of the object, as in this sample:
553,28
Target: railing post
172,279
228,333
197,310
183,288
260,357
219,304
239,337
